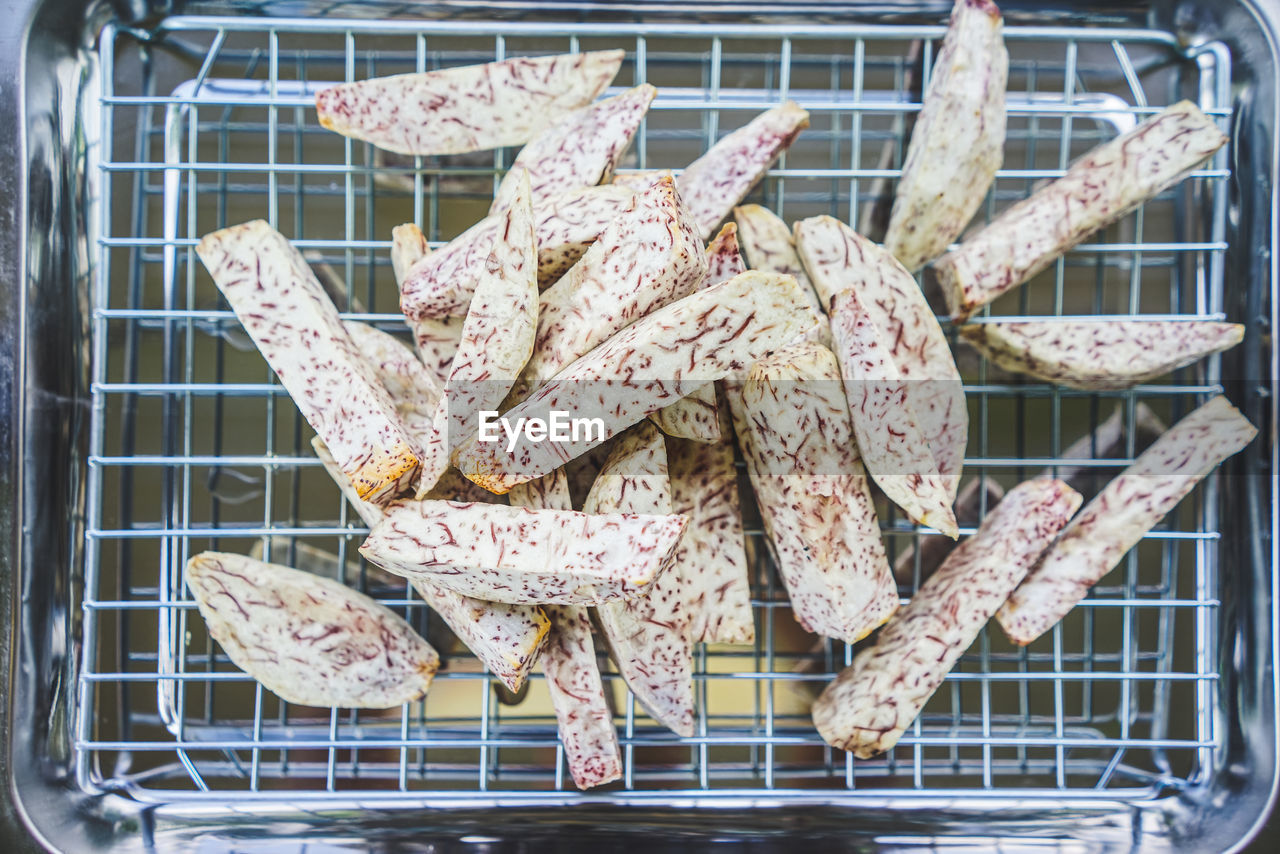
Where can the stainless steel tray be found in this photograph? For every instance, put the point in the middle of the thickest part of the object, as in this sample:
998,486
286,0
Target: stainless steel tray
142,428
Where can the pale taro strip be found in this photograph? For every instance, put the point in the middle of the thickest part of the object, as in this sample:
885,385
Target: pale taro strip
468,108
506,638
719,179
309,640
1100,354
497,337
648,256
869,706
767,245
522,556
416,394
569,662
890,437
1118,518
711,557
298,331
813,494
696,416
838,259
957,145
441,283
580,150
1098,189
649,636
659,359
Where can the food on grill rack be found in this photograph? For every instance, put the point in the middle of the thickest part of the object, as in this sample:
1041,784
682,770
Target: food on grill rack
570,665
658,359
958,142
1122,514
889,432
580,150
696,416
768,245
298,331
441,284
838,259
813,493
1098,189
711,557
719,179
415,393
872,702
1100,354
647,257
497,337
469,108
521,556
649,636
309,640
506,638
979,494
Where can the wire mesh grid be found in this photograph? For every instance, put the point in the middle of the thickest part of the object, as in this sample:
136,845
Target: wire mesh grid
208,121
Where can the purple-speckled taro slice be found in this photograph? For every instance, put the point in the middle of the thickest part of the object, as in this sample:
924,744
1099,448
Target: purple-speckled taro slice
569,662
696,417
957,145
309,640
521,556
890,437
416,394
497,337
868,707
838,259
468,108
767,245
813,494
1126,509
1098,189
719,179
1100,354
711,557
649,637
298,331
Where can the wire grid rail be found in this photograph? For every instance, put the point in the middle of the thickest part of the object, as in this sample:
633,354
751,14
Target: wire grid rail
194,445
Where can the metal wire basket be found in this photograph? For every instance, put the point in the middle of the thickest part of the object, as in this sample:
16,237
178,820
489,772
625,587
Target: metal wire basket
1119,726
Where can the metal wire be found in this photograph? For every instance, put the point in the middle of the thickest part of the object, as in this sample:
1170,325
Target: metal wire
193,446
